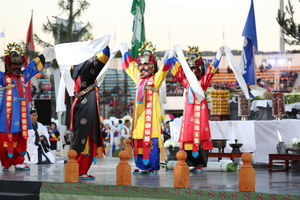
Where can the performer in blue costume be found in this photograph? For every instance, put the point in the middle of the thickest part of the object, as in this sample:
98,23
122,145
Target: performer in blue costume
14,107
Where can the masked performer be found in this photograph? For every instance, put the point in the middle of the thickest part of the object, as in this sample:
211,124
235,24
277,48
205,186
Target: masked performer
146,126
85,112
195,131
14,108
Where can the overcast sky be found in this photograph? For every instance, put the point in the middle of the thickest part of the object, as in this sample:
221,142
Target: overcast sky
186,22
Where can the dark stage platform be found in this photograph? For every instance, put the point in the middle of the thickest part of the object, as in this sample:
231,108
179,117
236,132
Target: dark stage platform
204,185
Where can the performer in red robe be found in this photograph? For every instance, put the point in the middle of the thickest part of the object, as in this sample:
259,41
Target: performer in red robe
195,131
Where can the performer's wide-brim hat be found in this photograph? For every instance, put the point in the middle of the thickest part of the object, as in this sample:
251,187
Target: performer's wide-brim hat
108,122
114,120
127,117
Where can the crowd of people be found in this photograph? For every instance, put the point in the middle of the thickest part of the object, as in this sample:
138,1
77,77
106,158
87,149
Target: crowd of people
286,82
173,86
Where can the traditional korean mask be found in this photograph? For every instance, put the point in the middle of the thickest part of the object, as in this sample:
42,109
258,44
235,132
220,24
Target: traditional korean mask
146,60
197,71
195,61
146,69
15,69
14,59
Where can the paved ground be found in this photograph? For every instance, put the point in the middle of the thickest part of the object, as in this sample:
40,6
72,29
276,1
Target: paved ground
266,182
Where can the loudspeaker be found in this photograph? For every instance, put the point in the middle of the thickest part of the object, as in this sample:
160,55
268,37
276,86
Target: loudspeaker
43,108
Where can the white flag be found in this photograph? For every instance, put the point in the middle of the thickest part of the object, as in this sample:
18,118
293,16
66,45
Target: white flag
2,34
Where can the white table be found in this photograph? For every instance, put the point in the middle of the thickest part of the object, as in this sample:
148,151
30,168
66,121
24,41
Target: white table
259,137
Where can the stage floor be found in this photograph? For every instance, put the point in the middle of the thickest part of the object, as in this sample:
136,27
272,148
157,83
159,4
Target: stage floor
266,182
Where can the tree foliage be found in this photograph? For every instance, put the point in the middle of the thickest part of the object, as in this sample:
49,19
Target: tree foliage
289,27
64,33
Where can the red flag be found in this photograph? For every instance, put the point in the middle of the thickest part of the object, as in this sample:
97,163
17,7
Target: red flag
29,38
29,46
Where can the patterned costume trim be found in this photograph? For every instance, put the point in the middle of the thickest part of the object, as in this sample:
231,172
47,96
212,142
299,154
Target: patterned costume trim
9,101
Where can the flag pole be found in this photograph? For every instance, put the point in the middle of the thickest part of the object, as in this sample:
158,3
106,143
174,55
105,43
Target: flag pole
4,39
254,65
223,60
170,37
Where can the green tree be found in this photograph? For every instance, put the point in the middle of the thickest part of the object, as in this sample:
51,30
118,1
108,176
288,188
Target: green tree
65,33
290,28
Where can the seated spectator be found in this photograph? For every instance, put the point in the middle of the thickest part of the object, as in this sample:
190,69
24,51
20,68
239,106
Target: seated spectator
66,143
54,138
38,145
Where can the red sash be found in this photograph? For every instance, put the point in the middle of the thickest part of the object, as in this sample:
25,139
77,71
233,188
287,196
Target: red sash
21,90
148,119
197,127
98,110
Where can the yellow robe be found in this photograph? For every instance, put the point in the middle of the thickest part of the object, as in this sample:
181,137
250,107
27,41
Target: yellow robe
147,112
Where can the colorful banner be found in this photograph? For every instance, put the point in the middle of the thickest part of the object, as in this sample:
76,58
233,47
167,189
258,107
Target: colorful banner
30,47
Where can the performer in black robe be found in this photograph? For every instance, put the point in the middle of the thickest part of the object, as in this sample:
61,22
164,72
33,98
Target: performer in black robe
85,112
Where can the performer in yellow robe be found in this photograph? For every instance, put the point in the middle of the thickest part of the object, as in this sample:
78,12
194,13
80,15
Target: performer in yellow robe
146,126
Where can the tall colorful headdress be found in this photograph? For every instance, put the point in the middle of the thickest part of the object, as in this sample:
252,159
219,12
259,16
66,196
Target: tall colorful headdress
146,54
14,54
193,57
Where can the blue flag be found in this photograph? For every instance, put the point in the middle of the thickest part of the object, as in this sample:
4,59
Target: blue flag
247,58
2,34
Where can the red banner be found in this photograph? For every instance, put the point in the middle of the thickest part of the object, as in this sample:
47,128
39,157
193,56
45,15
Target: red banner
30,47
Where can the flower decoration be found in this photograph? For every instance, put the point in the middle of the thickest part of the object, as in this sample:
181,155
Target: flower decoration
147,47
193,50
147,51
14,47
295,142
171,144
151,59
193,56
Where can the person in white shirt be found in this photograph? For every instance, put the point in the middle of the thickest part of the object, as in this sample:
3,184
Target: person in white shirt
38,144
125,133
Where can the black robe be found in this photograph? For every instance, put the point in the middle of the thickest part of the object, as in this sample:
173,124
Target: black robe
85,112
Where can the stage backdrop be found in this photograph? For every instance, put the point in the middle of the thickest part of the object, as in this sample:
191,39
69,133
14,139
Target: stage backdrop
43,107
